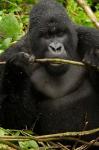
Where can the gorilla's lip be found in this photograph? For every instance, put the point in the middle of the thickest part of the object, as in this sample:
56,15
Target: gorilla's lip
55,64
55,68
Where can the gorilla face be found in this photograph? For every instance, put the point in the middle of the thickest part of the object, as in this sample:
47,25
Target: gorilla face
52,36
53,42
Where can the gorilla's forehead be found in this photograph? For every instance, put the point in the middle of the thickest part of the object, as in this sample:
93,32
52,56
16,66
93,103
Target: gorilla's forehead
50,19
46,10
47,6
50,24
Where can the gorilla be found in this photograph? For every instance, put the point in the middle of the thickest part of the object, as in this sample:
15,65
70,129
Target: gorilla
51,98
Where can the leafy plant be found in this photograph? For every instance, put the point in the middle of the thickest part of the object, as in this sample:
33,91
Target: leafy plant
22,145
10,30
77,14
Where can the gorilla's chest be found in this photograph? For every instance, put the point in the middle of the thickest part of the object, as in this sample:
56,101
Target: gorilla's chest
65,103
69,113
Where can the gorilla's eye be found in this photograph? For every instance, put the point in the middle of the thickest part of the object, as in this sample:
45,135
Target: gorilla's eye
60,34
44,35
47,35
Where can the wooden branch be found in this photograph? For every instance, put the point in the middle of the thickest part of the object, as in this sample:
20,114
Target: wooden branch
59,61
8,145
58,136
68,134
55,61
89,12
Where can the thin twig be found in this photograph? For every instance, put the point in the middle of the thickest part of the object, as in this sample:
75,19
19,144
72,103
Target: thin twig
89,12
50,137
10,144
54,60
59,61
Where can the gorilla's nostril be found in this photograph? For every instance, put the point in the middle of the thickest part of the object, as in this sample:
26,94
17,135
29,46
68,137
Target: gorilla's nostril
52,48
59,48
56,47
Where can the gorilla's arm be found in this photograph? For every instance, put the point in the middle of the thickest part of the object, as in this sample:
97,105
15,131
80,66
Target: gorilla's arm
15,87
88,45
88,48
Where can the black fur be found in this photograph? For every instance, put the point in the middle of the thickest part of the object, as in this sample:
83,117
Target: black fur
47,98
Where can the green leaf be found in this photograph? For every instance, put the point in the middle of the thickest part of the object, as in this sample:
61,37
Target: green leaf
10,27
6,42
4,132
29,145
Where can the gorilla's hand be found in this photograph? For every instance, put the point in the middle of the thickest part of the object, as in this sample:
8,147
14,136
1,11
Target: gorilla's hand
92,58
22,60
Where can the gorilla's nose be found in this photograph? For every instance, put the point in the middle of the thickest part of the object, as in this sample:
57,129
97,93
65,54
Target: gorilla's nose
56,47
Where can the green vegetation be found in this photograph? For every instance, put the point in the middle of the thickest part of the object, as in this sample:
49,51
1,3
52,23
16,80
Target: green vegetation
14,135
14,18
78,15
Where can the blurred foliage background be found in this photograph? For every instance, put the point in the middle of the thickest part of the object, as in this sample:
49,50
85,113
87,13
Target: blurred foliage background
14,17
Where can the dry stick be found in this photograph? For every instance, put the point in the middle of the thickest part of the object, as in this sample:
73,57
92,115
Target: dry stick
59,61
87,146
51,136
2,62
21,138
89,12
54,60
11,145
68,134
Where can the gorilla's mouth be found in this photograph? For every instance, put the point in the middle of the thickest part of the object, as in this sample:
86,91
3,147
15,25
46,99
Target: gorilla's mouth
55,64
56,69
